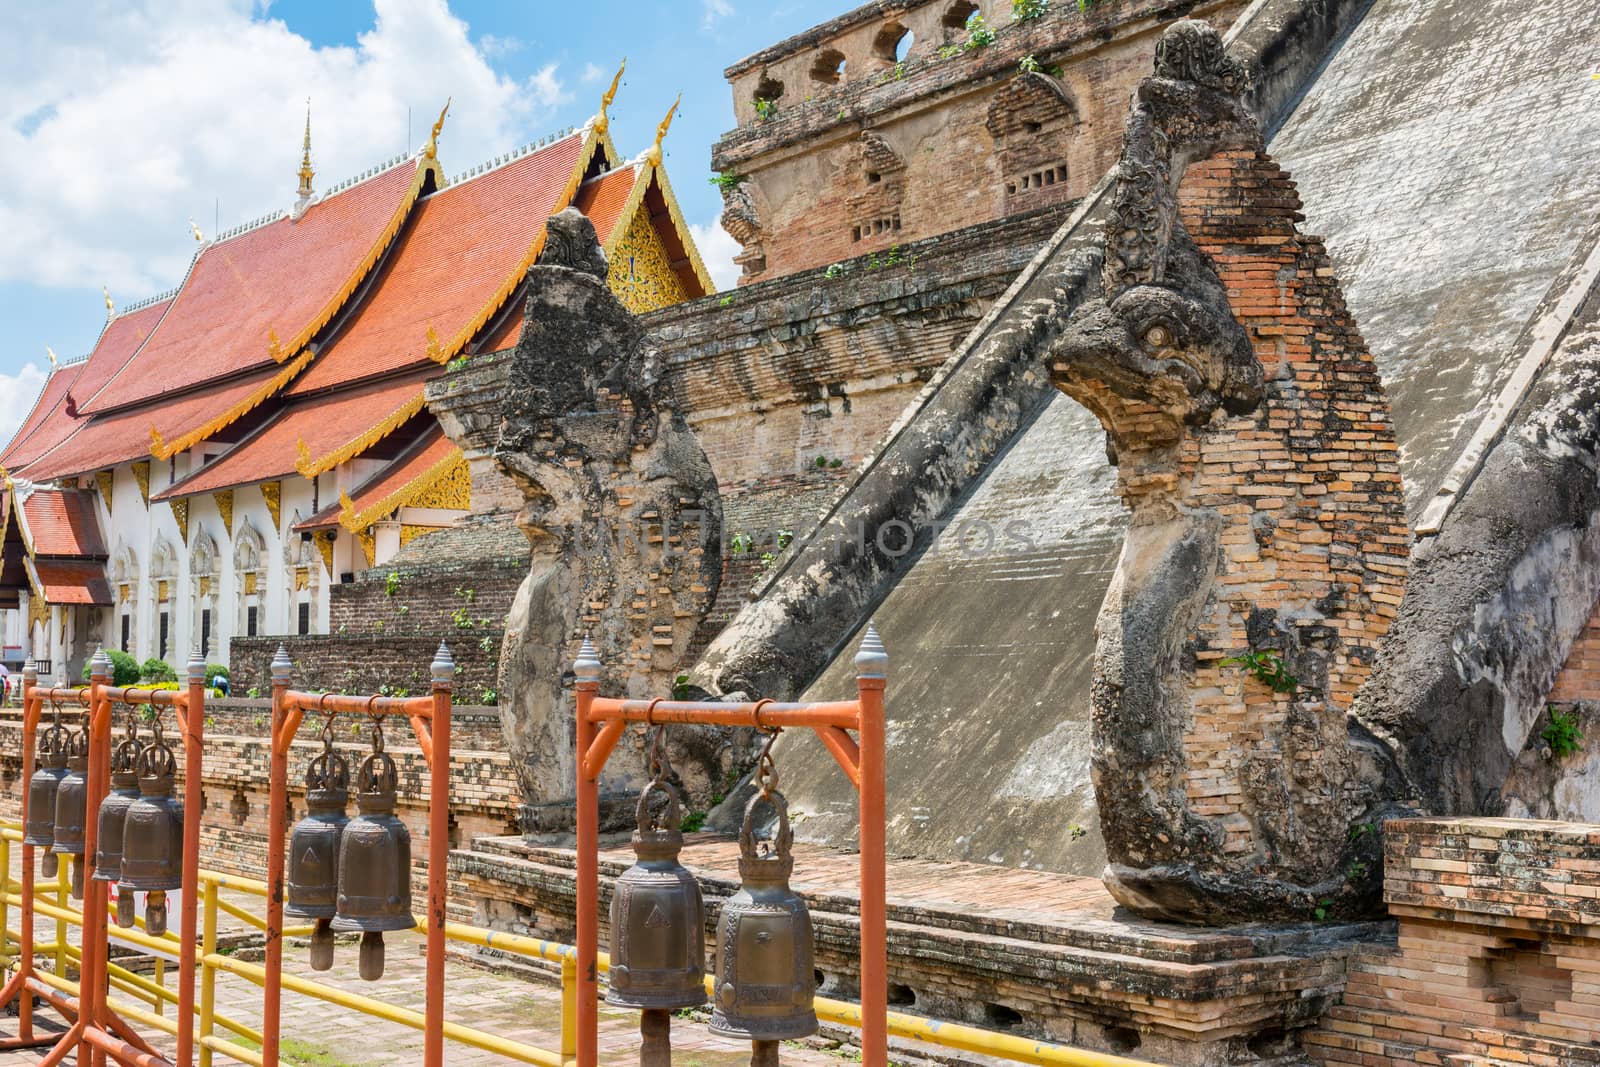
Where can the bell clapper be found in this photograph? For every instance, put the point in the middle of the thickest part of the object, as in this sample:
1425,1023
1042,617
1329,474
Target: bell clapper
763,1054
655,1038
322,946
371,956
77,878
125,909
155,913
49,865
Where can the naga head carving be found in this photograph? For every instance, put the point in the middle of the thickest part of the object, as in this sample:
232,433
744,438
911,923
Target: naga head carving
1159,349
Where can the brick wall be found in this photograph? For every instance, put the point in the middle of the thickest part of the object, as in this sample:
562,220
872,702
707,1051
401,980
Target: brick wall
937,142
1309,491
379,661
1580,675
432,598
1497,960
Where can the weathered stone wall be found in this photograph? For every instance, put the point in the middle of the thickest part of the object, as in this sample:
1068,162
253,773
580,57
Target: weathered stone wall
894,152
379,661
1497,960
435,598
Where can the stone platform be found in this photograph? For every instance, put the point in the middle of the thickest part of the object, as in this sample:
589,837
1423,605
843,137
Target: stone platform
1036,953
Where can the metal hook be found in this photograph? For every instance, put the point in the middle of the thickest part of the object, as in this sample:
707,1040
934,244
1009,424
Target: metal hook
660,764
327,731
766,770
377,735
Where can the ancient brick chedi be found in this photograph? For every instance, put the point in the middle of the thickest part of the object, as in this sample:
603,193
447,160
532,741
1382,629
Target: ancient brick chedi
620,507
1266,550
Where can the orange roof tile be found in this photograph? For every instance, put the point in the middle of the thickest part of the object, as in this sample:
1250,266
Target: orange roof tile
413,471
51,424
106,441
505,335
61,522
604,197
286,278
327,425
71,581
465,245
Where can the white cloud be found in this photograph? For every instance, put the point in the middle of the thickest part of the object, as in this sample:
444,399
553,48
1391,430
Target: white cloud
717,250
18,392
591,74
121,120
494,46
712,10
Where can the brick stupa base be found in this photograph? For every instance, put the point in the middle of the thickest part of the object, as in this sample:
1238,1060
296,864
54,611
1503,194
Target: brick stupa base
1498,960
1041,954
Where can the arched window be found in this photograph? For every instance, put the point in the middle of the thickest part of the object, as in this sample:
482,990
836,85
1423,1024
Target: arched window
125,589
954,21
249,589
893,42
829,67
163,587
203,581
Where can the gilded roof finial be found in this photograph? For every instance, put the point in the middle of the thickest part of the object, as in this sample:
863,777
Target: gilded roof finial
198,236
111,309
602,120
306,174
653,155
52,354
432,151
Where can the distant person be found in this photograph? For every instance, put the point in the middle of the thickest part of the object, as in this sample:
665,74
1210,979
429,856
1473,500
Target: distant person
220,684
5,685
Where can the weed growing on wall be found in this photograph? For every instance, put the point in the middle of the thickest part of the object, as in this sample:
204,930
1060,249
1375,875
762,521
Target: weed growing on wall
1266,666
1562,733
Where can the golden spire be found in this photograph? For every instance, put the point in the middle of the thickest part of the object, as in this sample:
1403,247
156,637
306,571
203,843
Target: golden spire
432,151
306,173
653,153
198,236
111,309
602,120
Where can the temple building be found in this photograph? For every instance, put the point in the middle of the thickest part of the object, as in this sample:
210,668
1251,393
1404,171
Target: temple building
232,449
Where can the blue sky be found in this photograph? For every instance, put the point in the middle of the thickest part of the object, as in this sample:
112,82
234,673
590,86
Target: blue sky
122,120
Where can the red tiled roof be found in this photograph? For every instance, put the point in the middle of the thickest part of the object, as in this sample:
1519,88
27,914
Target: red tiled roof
326,424
504,336
465,246
286,277
71,581
50,424
386,490
603,198
104,442
61,522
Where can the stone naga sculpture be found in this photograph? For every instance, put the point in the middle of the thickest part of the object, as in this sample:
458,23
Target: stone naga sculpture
622,511
1230,794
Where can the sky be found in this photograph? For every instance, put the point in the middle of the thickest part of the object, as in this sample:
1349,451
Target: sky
121,120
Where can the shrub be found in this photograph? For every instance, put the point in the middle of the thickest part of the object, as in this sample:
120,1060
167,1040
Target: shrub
157,670
1563,733
124,669
214,669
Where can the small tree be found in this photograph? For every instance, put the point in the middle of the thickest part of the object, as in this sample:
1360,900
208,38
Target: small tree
157,670
124,669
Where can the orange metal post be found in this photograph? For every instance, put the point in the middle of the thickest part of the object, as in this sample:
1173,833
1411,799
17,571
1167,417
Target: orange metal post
91,964
872,672
278,798
586,673
31,709
194,719
443,670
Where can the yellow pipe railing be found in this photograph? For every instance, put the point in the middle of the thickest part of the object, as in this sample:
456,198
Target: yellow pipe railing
53,903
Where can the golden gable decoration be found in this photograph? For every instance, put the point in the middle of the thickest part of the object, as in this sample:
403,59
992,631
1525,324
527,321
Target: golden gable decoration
324,540
272,494
641,274
224,499
180,515
104,480
447,485
369,546
141,474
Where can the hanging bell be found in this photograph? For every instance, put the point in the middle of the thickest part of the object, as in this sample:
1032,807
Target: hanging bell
765,976
114,810
314,851
152,840
374,862
658,929
72,808
47,774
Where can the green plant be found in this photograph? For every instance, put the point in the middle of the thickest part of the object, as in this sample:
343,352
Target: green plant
487,644
1320,912
157,670
462,618
835,463
1562,733
1266,666
490,696
728,179
391,583
1356,871
1029,65
124,669
949,51
765,109
466,592
211,722
1023,10
680,687
378,626
725,301
893,74
1055,71
254,692
768,559
834,270
456,364
785,539
1084,5
821,461
979,35
740,543
215,669
1076,831
692,821
1360,830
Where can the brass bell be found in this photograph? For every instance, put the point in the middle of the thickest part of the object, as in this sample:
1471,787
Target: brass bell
114,810
313,891
658,921
47,774
152,840
72,808
374,862
765,975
